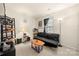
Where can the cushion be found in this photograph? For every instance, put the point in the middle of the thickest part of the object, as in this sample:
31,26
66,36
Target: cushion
41,34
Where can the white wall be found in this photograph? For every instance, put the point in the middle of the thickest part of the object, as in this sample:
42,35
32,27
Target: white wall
69,31
78,32
23,21
41,29
69,26
1,9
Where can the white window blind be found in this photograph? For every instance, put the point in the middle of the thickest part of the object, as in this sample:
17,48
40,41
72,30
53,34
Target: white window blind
49,26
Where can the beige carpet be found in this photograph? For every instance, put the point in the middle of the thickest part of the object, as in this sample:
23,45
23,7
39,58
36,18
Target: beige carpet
24,49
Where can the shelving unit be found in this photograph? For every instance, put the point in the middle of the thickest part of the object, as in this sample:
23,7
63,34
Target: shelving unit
7,28
7,33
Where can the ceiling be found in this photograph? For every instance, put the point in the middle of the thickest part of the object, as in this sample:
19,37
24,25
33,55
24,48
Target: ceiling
36,8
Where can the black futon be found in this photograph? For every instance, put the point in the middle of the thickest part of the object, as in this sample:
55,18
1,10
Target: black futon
50,39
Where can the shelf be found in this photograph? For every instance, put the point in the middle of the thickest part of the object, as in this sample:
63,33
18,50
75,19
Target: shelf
7,28
9,36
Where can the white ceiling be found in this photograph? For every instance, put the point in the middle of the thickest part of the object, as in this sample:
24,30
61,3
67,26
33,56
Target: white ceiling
37,8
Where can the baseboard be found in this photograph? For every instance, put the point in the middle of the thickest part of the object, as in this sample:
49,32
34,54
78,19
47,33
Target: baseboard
76,49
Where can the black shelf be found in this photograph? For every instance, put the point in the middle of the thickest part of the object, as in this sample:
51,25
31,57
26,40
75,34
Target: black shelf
7,26
7,30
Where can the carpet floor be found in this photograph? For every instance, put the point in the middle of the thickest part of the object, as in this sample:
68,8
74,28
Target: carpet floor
24,49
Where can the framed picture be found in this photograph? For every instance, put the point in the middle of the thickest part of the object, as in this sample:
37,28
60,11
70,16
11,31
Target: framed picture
40,24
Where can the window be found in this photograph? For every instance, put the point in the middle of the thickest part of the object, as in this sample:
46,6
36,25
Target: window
49,25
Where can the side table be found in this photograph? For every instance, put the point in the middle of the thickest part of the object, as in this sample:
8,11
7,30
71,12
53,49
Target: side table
37,45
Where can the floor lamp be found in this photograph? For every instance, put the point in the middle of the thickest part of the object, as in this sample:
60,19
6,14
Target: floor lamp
60,20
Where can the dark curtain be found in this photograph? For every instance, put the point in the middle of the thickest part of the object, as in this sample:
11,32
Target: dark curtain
45,23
